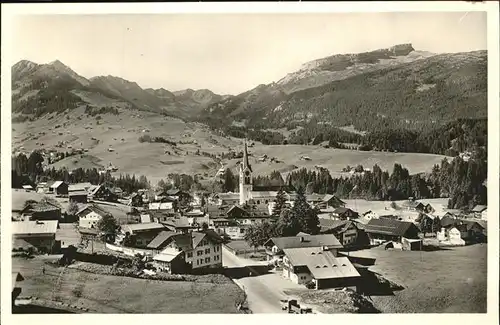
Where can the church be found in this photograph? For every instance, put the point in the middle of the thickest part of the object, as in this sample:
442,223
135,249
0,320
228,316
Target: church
248,193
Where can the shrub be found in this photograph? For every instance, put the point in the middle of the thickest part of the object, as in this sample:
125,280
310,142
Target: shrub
310,285
145,138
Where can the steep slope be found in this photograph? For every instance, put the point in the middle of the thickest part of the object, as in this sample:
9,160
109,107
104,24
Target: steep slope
197,99
341,66
435,89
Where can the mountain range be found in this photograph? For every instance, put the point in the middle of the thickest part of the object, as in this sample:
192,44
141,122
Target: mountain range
397,86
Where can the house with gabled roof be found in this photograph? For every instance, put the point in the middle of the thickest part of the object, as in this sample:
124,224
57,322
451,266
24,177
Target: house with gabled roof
275,246
89,216
139,235
58,188
38,235
384,230
345,230
330,201
321,266
342,213
43,210
194,252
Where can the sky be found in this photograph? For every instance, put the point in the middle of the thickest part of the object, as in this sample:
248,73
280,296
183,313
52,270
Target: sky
229,53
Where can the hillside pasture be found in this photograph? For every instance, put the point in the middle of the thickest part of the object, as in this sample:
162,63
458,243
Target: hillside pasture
115,294
444,281
115,139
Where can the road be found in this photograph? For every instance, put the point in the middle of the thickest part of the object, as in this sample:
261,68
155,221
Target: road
264,291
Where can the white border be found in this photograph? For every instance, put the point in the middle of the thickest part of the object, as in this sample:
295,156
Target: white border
10,10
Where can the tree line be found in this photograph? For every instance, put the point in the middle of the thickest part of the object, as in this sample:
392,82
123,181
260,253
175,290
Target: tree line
461,181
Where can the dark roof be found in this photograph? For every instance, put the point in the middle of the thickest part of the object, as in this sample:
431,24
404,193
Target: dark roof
479,208
41,207
388,227
341,210
161,239
340,225
191,240
329,197
97,209
308,241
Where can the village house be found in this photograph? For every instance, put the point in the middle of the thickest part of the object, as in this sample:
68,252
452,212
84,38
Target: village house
162,206
102,193
79,187
330,201
470,231
42,187
38,235
78,196
345,231
195,252
479,211
368,215
179,224
136,200
321,266
57,188
275,246
384,230
451,236
117,191
41,211
178,195
343,214
89,216
139,235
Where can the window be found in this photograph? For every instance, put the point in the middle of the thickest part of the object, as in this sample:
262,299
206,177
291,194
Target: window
190,254
207,251
199,253
197,262
207,259
242,230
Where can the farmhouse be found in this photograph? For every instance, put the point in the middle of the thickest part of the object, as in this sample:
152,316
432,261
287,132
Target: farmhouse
470,231
79,187
479,211
58,188
195,252
41,211
78,196
321,266
136,200
344,214
383,230
39,235
139,235
345,230
103,193
330,201
275,246
90,215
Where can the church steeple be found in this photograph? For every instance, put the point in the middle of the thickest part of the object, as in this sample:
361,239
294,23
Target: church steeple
245,177
246,164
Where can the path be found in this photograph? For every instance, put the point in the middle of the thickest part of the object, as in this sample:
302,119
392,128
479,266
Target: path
264,291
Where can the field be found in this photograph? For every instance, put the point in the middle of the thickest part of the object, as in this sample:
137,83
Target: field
157,160
445,281
113,294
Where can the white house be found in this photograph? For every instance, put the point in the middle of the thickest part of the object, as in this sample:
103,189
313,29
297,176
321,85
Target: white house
90,215
200,250
452,236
